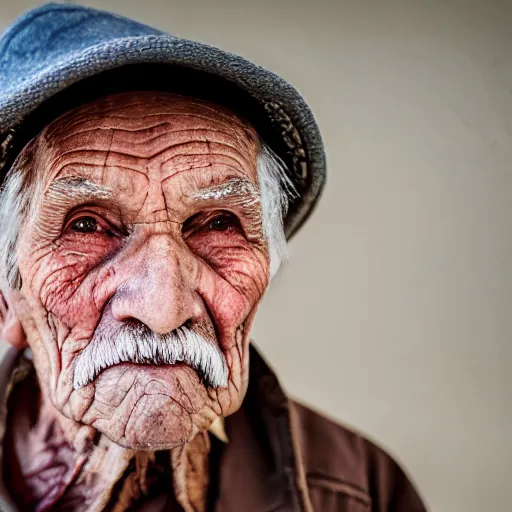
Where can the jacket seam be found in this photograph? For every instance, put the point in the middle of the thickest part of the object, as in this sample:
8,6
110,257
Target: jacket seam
339,486
335,479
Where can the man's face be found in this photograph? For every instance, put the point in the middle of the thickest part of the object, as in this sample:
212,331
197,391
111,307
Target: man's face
146,235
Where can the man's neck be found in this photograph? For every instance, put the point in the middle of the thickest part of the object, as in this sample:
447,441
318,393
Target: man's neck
57,460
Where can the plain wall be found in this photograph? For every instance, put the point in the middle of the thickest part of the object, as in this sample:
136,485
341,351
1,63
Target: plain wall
393,314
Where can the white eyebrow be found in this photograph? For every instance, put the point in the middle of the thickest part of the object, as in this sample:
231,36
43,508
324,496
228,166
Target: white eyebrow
237,188
76,188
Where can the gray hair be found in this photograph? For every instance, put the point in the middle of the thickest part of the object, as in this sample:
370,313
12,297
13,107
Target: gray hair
19,192
16,197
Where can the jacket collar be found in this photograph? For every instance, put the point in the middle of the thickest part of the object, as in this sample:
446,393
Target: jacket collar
262,452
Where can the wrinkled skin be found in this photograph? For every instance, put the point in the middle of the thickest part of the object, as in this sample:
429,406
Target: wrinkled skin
154,254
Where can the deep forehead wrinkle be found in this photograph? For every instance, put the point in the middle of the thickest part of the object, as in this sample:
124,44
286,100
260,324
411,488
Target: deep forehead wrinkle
232,160
173,139
154,132
149,142
199,110
145,141
111,102
169,158
151,105
130,114
104,119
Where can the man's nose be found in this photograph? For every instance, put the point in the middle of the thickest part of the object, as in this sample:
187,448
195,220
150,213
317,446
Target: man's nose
159,291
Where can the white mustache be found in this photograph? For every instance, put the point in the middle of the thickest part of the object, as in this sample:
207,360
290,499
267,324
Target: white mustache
138,344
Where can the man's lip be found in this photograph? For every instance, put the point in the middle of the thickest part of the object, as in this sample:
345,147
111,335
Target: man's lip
140,366
147,367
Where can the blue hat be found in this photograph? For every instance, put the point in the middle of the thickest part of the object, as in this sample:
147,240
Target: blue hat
59,55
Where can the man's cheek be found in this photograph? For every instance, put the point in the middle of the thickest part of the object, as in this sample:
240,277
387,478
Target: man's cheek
245,271
229,308
58,291
60,287
56,269
235,260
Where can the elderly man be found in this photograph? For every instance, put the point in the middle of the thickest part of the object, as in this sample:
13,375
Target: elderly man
149,188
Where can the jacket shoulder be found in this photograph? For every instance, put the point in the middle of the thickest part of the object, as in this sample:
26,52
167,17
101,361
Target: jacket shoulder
337,460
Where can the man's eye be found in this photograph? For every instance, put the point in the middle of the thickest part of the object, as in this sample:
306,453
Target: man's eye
85,225
219,221
222,223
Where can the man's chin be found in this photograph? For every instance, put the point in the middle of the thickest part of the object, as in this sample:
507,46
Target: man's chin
163,428
147,407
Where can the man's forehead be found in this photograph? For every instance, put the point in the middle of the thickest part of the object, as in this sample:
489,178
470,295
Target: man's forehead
143,109
140,131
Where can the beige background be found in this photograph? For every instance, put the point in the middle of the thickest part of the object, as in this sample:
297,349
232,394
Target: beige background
393,314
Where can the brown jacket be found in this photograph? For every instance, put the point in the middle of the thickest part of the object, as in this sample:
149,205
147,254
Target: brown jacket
282,457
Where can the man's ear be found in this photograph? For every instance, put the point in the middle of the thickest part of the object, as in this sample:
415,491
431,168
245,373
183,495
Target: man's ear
11,329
